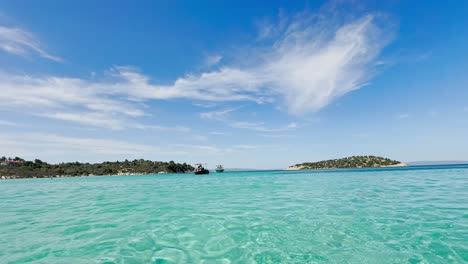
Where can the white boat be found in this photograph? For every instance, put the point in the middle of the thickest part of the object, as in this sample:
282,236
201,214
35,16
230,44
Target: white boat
219,168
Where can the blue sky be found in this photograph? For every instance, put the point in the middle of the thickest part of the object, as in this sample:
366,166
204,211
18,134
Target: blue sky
248,85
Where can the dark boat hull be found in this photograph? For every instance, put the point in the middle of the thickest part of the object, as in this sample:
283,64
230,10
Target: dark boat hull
202,172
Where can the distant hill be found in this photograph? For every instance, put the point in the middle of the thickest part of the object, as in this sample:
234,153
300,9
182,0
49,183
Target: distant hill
437,162
349,162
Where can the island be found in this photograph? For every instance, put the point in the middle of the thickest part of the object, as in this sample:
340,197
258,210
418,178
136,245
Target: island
349,162
15,168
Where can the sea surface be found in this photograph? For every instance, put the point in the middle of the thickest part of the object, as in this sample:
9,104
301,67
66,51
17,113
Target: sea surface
400,215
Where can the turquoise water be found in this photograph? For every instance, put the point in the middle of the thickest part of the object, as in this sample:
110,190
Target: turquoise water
343,216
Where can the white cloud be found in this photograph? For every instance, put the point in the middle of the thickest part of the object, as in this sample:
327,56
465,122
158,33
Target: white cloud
306,67
223,116
308,62
68,99
59,148
293,125
181,129
260,126
205,104
19,42
218,115
111,121
212,60
39,145
92,118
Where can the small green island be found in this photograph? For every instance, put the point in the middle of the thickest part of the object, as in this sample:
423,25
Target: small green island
16,168
349,162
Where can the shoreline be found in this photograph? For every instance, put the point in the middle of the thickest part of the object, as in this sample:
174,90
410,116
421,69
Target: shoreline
396,166
15,177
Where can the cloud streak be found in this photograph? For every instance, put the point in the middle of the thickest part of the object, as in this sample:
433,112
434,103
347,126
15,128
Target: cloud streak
224,117
260,126
20,42
7,123
403,116
218,115
55,147
39,145
212,60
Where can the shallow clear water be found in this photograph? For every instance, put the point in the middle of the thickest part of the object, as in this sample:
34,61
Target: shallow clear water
342,216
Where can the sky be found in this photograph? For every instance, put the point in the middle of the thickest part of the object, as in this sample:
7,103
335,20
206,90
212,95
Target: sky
240,83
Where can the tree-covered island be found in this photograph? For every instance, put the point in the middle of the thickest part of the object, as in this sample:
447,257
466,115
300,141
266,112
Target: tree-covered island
349,162
13,168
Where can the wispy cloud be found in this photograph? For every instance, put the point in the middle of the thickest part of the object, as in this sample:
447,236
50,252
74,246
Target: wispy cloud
307,62
68,99
403,116
20,42
217,133
7,123
57,148
200,149
97,119
261,127
248,147
207,150
276,135
35,144
212,60
111,121
224,117
206,104
218,115
181,129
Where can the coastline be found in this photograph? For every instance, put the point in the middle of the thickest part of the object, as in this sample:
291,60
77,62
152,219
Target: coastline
15,177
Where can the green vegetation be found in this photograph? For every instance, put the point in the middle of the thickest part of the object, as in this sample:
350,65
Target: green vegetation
349,162
20,168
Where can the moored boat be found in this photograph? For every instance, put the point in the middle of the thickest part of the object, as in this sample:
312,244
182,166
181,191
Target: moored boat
200,170
219,168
